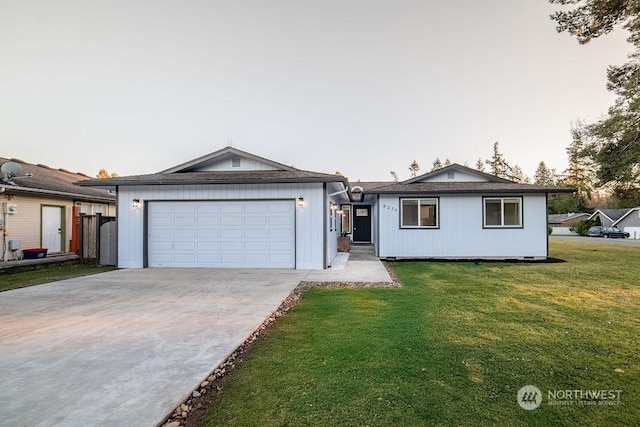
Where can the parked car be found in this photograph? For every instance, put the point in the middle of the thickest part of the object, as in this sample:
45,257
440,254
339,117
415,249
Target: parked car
613,232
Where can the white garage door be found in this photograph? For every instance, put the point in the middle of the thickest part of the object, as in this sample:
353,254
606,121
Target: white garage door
249,234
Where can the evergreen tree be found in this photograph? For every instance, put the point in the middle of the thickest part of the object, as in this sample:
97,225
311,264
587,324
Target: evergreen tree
498,166
615,143
103,173
517,175
544,175
414,168
394,176
480,165
447,162
580,173
437,164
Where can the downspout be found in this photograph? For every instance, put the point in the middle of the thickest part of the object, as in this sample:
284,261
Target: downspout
546,209
338,192
117,227
325,239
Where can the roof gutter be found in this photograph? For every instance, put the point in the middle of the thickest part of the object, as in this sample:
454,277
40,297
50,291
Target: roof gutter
18,189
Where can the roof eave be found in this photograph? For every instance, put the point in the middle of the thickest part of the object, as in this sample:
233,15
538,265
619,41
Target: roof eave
75,196
223,152
169,181
478,191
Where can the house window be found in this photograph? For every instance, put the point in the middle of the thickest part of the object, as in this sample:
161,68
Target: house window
419,213
502,212
346,218
94,208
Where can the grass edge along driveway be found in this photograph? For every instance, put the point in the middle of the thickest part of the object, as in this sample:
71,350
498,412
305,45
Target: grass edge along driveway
452,347
47,274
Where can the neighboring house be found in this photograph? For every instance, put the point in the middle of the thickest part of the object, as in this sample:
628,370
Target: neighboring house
630,222
562,224
606,217
231,208
38,206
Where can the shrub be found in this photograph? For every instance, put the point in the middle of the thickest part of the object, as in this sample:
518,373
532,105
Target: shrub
582,228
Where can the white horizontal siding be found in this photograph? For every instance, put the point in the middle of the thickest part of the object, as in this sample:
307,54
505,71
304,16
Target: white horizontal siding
245,165
634,232
309,219
461,234
631,220
458,176
563,231
25,225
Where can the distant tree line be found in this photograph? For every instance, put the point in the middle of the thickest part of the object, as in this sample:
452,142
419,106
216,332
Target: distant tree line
580,174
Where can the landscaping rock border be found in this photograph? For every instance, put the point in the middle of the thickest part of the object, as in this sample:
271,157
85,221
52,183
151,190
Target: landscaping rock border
192,409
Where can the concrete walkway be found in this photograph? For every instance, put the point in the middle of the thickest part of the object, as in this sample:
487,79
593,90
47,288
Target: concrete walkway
360,265
126,347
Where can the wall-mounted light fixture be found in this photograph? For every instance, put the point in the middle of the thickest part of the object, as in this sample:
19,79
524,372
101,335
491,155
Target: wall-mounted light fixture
135,203
300,202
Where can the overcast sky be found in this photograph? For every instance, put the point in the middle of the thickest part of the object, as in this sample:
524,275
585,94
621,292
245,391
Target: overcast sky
360,87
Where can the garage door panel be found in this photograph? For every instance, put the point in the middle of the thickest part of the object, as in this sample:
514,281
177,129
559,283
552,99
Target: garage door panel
158,245
184,246
208,233
281,234
257,258
222,234
204,221
183,208
280,246
186,233
208,246
231,233
163,234
256,234
181,221
256,208
159,221
255,221
279,220
208,208
281,259
234,259
187,259
232,207
231,221
231,246
256,246
208,259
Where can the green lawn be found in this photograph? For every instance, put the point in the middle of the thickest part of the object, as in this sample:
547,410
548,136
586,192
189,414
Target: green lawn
47,274
452,347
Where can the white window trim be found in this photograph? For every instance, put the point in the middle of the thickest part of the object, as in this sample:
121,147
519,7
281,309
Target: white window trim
436,203
502,199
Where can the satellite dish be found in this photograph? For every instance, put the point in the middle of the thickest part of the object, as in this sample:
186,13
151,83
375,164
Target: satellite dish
9,170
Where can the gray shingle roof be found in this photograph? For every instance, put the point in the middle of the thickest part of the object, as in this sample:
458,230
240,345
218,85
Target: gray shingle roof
560,218
614,214
466,187
217,177
50,181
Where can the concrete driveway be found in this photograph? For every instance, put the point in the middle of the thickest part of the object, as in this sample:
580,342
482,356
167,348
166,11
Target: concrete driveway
125,347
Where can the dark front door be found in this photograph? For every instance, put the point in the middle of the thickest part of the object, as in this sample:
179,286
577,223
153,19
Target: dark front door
362,223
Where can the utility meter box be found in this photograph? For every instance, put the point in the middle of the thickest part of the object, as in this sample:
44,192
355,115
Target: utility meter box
12,208
14,245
